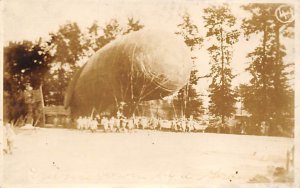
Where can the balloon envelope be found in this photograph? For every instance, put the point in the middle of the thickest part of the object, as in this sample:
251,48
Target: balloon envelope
142,65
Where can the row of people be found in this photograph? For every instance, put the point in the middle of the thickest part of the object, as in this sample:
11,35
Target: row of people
183,125
87,123
119,124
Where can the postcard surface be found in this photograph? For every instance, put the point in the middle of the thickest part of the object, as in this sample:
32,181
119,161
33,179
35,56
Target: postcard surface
149,93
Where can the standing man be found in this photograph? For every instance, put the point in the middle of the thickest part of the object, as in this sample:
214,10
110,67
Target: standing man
93,124
111,123
104,123
79,123
8,137
130,124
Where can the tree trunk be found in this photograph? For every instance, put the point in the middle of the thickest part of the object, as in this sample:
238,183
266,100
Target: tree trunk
222,72
277,75
265,102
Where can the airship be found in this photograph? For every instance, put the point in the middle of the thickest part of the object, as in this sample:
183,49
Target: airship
140,66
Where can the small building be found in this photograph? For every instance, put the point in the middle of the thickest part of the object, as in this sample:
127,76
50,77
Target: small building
57,116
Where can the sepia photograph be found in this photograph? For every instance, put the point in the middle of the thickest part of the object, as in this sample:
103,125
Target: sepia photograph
133,93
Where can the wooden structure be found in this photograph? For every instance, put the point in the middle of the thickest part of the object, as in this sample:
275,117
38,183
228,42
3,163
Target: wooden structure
51,116
56,116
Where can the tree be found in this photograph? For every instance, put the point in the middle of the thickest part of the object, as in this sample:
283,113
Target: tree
66,47
220,22
110,32
97,37
188,99
133,25
25,64
268,96
91,40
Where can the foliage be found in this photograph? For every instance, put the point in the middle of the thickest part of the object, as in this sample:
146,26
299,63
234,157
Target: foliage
220,22
65,46
25,64
268,95
188,100
133,25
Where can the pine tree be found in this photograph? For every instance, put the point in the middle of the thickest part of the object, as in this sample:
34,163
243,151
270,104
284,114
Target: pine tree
188,99
219,22
268,96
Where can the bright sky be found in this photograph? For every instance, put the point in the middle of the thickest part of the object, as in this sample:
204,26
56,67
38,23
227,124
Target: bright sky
31,19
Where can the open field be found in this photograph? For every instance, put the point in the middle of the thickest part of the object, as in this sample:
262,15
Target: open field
64,156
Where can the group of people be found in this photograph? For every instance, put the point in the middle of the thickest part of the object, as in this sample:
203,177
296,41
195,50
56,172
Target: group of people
113,124
257,129
244,128
122,124
183,125
87,123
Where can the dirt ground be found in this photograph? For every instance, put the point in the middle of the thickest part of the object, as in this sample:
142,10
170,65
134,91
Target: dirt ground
64,156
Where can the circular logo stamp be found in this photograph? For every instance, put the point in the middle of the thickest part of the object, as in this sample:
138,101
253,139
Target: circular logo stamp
285,14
